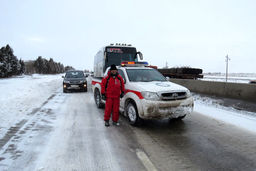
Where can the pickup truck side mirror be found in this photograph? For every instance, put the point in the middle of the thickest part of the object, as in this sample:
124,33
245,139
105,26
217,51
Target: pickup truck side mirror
140,55
62,76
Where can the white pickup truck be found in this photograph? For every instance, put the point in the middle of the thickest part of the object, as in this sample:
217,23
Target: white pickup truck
148,95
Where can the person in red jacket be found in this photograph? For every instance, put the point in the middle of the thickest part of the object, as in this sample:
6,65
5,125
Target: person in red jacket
112,88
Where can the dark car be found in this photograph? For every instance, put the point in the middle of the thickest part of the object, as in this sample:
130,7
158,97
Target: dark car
74,80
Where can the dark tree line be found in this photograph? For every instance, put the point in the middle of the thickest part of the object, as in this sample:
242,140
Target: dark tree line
68,68
9,64
44,66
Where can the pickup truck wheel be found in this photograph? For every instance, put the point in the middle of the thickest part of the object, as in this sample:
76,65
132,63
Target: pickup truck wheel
97,98
132,113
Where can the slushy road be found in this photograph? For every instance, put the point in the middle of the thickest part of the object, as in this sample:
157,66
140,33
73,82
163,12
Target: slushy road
67,133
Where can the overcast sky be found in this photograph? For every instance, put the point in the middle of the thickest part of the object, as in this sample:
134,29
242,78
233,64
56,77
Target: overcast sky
195,33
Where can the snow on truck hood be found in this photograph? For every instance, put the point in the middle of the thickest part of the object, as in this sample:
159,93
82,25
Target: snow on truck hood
158,86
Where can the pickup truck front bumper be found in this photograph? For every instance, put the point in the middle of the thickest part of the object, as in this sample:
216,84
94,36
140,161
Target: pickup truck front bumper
166,109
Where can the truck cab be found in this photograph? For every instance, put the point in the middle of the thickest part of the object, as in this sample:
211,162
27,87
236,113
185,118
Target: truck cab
148,95
114,54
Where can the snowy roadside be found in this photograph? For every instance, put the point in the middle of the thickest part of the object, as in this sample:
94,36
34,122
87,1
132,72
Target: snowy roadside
20,96
213,108
232,78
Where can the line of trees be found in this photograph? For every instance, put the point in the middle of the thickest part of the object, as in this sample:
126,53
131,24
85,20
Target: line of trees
9,63
44,66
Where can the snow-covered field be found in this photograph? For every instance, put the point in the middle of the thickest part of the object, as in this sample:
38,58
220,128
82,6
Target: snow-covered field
23,95
232,77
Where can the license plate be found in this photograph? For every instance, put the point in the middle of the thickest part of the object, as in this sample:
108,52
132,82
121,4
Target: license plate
74,86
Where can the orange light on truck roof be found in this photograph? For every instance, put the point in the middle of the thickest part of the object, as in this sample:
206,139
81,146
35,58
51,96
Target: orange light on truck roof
132,63
127,62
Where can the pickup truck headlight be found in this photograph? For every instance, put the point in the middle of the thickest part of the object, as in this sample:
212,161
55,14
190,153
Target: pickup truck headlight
65,81
150,95
188,94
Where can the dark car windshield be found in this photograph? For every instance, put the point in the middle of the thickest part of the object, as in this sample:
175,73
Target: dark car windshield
144,75
74,74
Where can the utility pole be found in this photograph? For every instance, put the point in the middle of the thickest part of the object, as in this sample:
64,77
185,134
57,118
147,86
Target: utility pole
227,59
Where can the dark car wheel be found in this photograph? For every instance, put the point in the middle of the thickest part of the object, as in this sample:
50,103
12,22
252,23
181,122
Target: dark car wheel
64,90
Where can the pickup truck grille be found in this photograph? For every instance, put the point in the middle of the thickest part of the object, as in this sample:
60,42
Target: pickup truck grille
173,96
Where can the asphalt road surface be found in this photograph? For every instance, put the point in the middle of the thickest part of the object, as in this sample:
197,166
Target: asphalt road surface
67,133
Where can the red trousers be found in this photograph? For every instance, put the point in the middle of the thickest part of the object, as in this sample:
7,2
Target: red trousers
112,106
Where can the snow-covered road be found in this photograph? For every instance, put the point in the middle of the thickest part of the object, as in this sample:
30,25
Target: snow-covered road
22,96
42,128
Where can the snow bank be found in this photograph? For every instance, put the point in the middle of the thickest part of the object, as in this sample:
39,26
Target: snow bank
232,77
20,96
212,108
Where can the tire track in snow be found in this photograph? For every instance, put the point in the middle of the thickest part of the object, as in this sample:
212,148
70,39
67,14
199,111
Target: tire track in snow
12,131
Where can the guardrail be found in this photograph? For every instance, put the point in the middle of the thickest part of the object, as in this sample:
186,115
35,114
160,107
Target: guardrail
231,90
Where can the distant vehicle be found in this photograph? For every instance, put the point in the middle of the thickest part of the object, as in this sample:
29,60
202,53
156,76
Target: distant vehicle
87,74
74,80
182,72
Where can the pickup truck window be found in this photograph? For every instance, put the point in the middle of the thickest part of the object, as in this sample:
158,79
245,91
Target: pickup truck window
144,75
122,74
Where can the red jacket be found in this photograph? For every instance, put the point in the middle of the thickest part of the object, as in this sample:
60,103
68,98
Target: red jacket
112,87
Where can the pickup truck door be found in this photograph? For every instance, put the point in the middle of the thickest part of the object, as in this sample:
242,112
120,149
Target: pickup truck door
121,73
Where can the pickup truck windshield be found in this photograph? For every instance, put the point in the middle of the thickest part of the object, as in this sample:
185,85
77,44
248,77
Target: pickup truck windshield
74,74
144,75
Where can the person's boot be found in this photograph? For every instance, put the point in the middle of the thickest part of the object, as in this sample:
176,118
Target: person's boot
116,123
106,123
